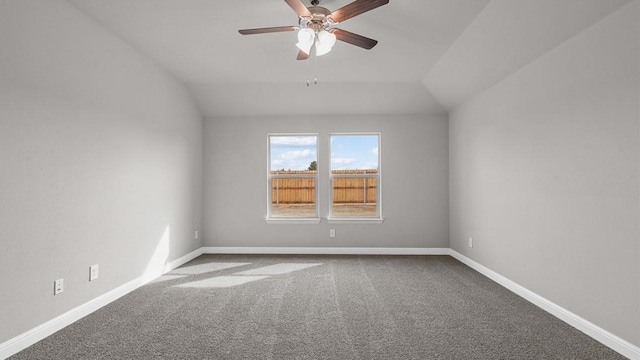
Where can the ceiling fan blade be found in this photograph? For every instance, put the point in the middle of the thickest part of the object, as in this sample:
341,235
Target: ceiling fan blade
299,7
267,30
302,55
354,39
356,8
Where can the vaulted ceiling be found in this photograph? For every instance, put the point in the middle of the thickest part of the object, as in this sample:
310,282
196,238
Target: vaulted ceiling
432,55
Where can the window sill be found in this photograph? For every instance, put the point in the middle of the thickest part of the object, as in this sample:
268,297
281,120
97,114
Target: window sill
294,221
355,220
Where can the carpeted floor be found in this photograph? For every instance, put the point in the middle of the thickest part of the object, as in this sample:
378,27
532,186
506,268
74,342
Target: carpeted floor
320,307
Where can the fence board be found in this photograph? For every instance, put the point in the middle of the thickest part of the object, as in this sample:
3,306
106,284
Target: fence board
293,191
345,190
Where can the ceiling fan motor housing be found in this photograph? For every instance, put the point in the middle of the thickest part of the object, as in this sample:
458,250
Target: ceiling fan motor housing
319,19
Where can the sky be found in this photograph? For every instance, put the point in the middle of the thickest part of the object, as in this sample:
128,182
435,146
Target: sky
347,152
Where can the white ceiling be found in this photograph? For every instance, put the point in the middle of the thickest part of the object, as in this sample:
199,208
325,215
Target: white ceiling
432,55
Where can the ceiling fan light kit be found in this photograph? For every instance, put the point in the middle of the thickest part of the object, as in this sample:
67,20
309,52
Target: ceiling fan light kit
324,42
316,26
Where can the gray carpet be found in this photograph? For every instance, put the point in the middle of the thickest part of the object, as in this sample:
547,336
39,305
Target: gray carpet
320,307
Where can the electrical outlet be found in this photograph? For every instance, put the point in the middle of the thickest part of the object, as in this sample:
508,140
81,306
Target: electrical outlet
93,272
332,232
196,235
470,242
58,286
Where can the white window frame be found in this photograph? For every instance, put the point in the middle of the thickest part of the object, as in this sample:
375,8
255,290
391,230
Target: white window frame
377,219
270,219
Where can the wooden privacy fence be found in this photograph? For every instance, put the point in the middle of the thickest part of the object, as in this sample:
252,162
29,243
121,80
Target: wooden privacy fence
293,191
346,190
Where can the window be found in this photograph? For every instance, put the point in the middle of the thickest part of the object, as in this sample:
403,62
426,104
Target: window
293,177
355,177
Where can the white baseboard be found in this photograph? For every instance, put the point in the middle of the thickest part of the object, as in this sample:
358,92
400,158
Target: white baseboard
40,332
603,336
325,251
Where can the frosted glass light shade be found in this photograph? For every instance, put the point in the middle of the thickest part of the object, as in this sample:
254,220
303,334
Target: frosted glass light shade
327,38
305,47
306,38
321,50
325,42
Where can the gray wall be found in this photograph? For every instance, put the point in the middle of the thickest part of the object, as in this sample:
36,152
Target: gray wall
414,155
544,175
100,162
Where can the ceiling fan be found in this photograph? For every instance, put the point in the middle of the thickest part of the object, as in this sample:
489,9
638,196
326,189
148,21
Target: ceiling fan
316,26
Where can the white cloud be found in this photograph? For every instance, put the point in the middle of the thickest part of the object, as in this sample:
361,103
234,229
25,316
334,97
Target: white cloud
296,154
293,140
374,150
342,161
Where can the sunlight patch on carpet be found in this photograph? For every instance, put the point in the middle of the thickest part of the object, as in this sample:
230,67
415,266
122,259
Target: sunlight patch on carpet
167,278
205,268
222,282
278,269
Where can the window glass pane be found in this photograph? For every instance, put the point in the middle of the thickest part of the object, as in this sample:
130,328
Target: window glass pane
355,196
354,152
293,170
355,167
293,153
293,197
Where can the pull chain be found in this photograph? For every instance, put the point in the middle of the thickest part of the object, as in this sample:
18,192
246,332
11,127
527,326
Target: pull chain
309,67
313,69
